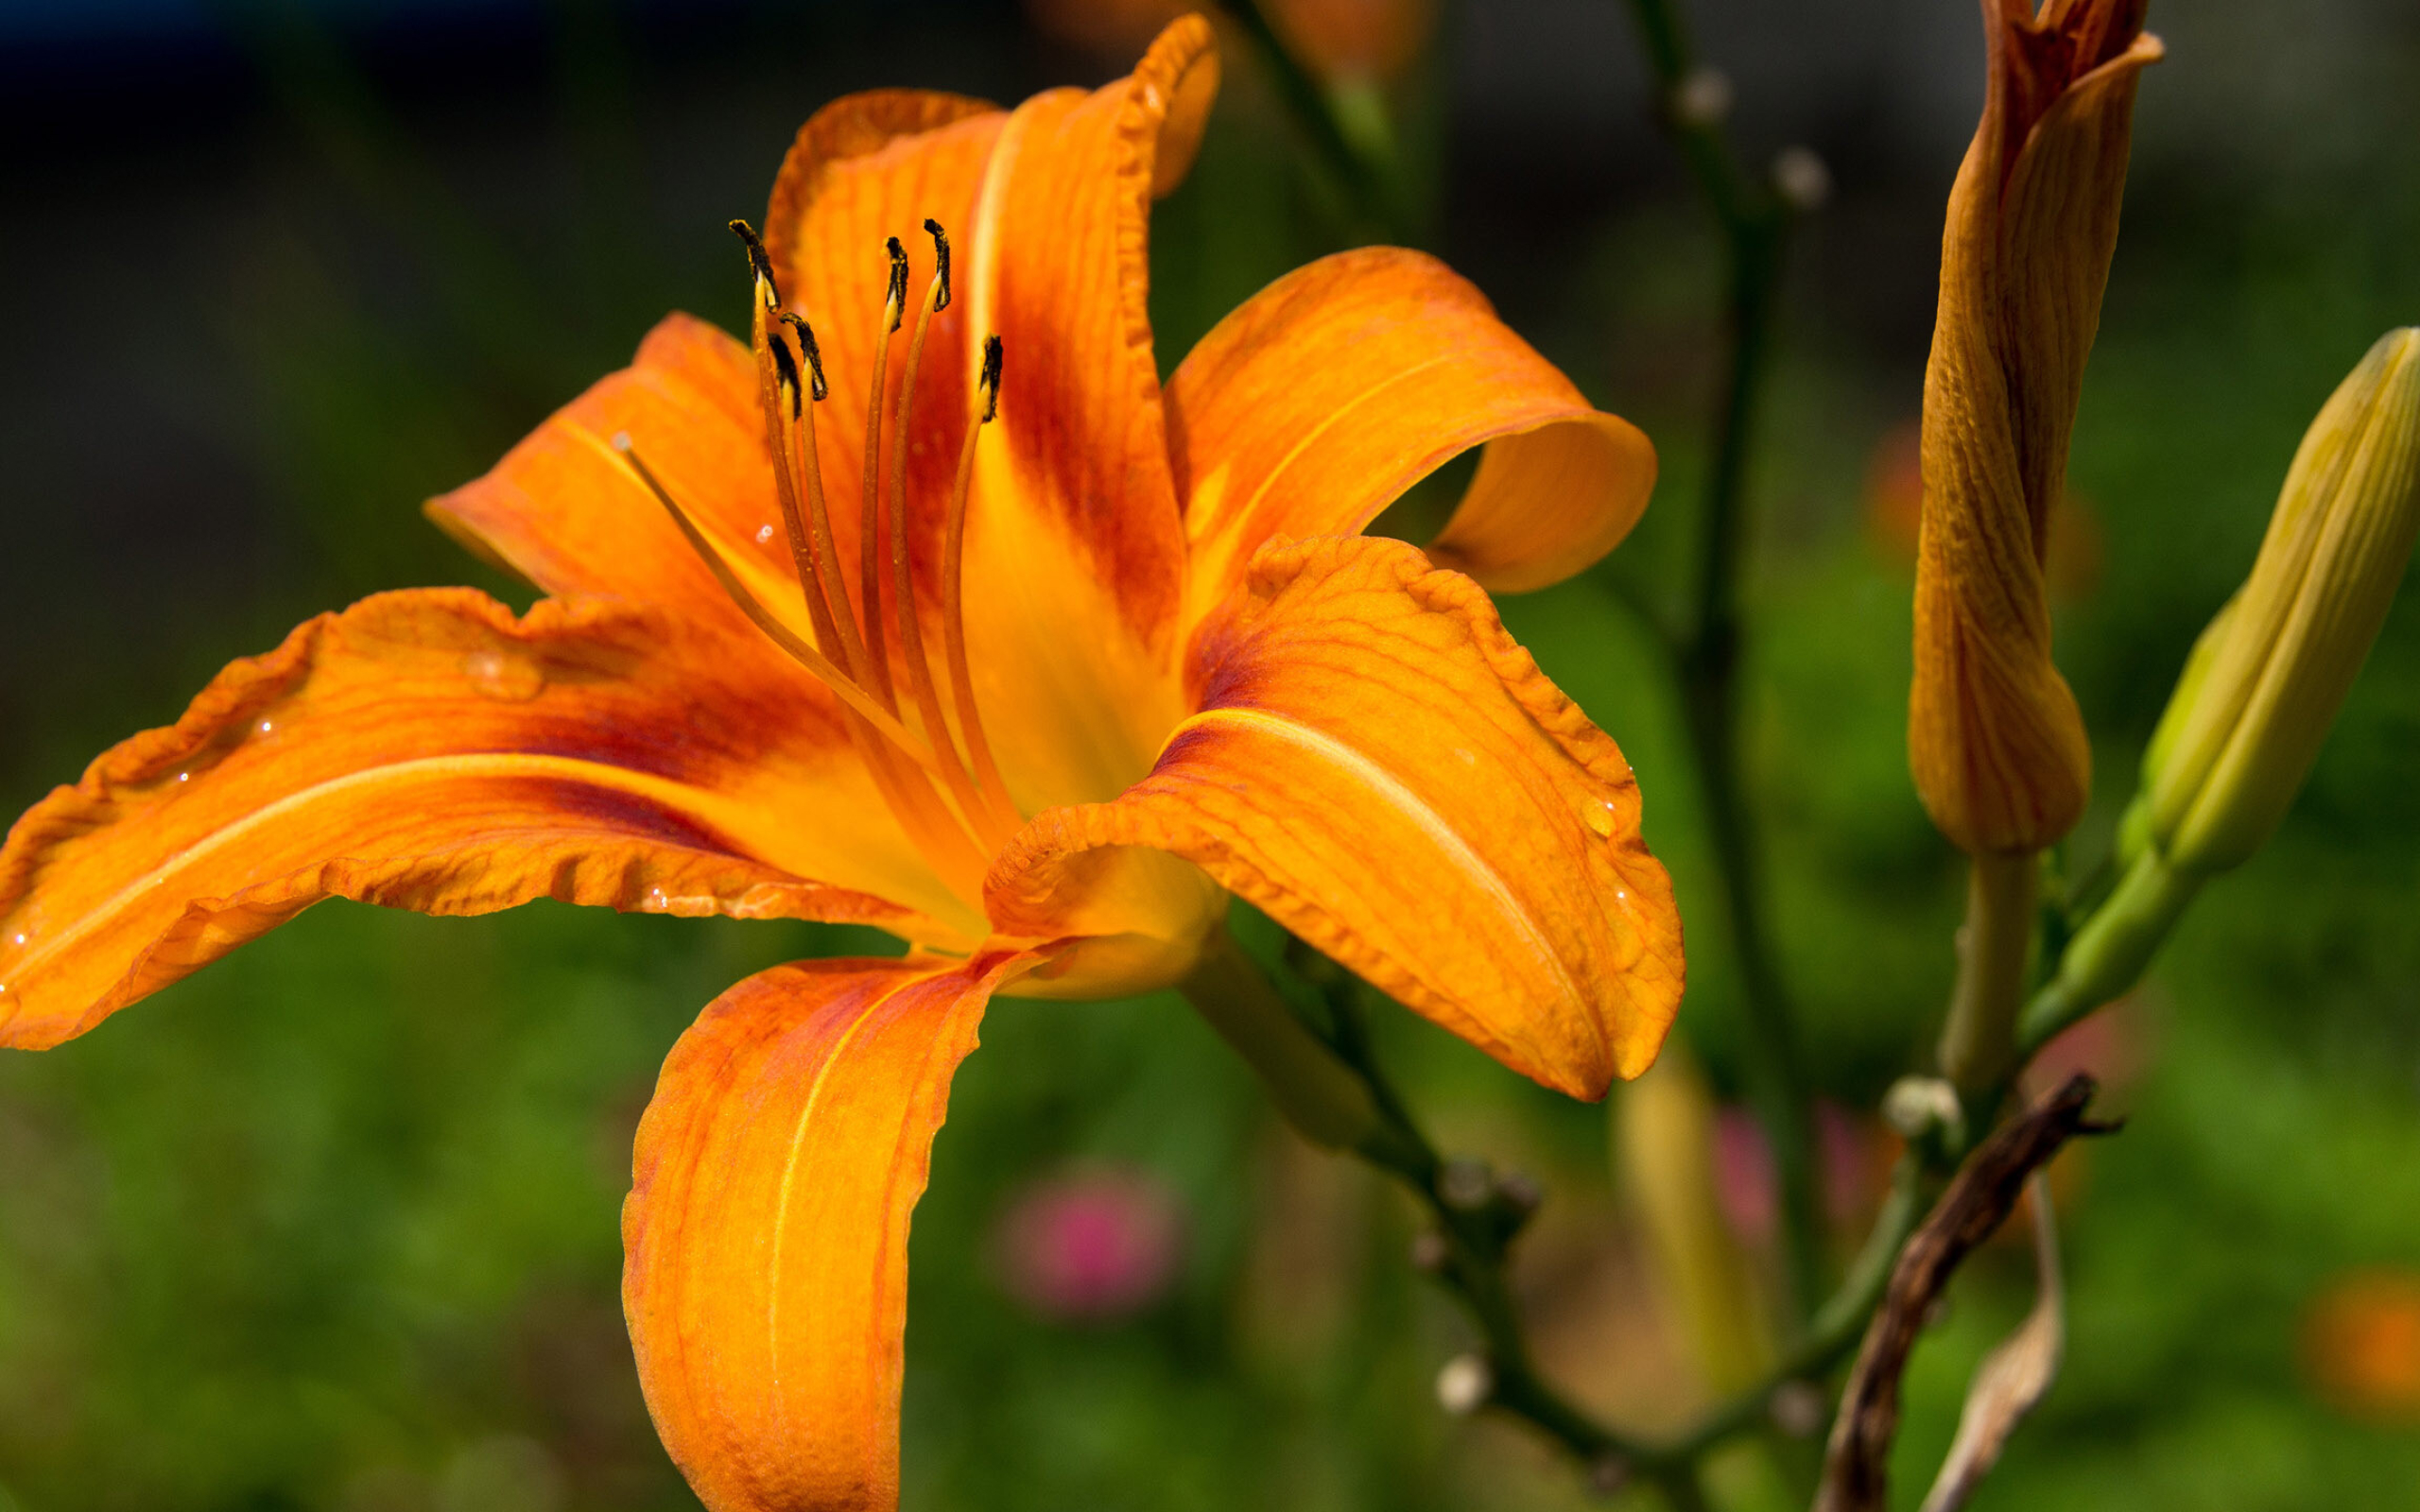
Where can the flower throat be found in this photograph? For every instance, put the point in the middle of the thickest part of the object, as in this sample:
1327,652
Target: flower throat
958,825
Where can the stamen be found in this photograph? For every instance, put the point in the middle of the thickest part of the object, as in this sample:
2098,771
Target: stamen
904,790
763,618
805,335
872,548
761,263
778,386
896,306
786,375
903,586
969,720
818,568
940,263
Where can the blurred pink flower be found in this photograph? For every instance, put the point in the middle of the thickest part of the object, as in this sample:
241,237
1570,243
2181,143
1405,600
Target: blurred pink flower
2108,1044
1091,1245
1743,1176
1856,1155
1859,1154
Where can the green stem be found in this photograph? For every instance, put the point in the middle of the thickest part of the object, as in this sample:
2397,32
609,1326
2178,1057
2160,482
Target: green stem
1754,225
2108,954
1477,1235
1994,949
1362,158
1837,1325
1325,1101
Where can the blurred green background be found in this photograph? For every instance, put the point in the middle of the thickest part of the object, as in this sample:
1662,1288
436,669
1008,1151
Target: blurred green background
334,1224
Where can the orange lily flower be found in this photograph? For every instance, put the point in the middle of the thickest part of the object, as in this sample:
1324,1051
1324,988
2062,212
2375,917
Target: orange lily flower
1997,744
1053,686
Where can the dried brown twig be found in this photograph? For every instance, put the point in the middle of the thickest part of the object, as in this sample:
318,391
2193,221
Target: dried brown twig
1978,1200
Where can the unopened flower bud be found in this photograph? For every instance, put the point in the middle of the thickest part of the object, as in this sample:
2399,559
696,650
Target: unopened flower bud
2266,679
1802,178
1923,1108
1995,740
1464,1384
1703,98
1465,1184
1796,1408
2248,719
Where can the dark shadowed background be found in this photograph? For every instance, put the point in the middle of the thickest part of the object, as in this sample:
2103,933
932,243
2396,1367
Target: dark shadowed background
334,1224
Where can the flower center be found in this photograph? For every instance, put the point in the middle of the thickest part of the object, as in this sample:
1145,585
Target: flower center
953,805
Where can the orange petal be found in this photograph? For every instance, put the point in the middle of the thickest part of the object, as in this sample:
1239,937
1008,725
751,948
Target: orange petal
425,750
564,511
766,1235
1315,404
1072,536
864,168
1073,539
1381,767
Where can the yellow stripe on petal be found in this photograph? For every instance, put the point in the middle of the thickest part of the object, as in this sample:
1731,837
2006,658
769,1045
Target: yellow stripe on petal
427,750
765,1239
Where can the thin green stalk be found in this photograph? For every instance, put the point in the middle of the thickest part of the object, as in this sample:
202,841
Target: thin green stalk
1994,950
1837,1325
1361,156
1754,224
1477,1231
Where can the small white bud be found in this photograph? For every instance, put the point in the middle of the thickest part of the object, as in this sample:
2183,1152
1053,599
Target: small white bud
1796,1408
1802,178
1703,98
1917,1106
1465,1184
1464,1384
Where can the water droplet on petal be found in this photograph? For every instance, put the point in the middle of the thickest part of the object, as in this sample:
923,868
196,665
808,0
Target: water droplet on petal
764,533
656,900
1469,758
498,674
21,936
184,777
1599,818
266,726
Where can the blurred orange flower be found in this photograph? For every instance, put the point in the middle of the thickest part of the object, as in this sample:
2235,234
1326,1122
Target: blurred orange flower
1101,662
1995,740
1342,40
1894,497
1109,29
2360,1343
1338,40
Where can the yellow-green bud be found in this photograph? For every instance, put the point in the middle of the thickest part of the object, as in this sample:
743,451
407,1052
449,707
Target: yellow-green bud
2265,680
2265,683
